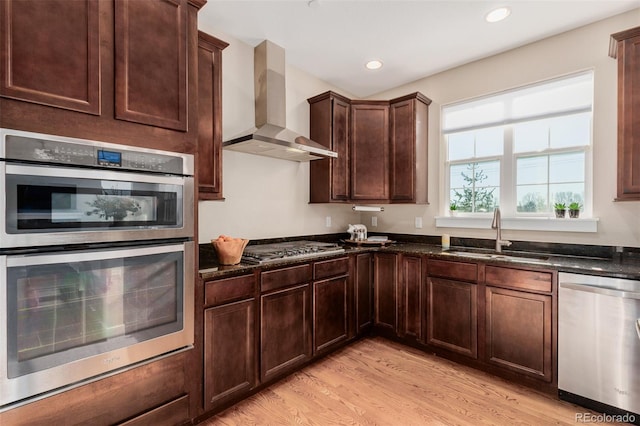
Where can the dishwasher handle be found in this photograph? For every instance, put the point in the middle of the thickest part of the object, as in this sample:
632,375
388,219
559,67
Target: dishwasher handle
625,294
638,327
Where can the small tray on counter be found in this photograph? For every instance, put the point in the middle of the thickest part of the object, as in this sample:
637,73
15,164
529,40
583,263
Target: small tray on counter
380,243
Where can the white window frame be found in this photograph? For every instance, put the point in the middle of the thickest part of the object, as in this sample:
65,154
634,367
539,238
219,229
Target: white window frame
543,221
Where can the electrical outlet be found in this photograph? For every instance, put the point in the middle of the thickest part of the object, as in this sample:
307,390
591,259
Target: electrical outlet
327,221
374,221
418,222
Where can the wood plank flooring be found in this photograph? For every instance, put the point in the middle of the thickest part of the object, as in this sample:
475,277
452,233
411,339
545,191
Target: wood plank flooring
378,382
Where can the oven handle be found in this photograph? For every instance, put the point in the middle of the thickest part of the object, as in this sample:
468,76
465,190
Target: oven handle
78,173
89,255
602,290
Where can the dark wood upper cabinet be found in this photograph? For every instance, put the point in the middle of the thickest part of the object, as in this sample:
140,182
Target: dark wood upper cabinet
120,71
369,151
329,126
626,46
151,62
408,156
381,145
51,55
210,117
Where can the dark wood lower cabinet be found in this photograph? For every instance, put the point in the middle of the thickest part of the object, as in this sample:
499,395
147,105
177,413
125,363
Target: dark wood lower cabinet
330,310
229,351
363,276
153,389
519,331
285,330
385,283
452,314
411,300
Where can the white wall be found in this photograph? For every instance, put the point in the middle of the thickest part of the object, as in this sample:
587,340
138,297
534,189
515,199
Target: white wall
580,49
265,197
269,197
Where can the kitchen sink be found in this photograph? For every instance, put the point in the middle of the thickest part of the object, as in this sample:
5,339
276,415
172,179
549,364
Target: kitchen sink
510,257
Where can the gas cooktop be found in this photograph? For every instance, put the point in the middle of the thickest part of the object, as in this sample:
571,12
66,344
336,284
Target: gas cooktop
264,253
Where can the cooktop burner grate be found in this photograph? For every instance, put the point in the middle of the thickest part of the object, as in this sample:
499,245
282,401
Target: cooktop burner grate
263,253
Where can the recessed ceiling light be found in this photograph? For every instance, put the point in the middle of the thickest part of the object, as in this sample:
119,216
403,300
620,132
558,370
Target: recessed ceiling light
374,65
498,14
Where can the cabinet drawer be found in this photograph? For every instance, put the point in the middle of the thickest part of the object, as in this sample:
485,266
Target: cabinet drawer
518,279
456,270
330,268
229,289
175,412
279,278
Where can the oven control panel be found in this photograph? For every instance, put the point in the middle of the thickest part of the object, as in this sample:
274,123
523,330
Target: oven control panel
91,154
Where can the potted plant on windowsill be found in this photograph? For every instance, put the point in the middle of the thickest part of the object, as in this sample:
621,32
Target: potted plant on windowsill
453,209
560,209
574,210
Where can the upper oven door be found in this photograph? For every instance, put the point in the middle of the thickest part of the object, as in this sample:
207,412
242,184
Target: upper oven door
48,205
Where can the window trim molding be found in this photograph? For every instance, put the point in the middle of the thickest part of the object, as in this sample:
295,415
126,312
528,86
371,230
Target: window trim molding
521,223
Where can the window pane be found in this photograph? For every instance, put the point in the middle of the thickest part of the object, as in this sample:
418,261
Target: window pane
532,198
457,175
489,142
460,145
531,170
572,130
567,193
566,167
479,191
530,137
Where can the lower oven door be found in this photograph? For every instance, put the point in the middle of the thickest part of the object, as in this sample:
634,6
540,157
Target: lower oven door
68,317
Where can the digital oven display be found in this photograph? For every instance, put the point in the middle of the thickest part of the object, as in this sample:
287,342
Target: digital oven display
109,158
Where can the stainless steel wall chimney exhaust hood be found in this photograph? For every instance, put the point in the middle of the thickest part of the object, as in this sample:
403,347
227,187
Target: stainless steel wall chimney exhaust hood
270,137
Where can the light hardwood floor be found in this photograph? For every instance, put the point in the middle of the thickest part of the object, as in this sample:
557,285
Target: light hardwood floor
378,382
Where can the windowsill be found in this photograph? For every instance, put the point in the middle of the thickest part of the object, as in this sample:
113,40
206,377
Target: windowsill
521,223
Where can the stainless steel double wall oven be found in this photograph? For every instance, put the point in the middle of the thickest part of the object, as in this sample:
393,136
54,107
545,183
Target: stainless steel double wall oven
96,260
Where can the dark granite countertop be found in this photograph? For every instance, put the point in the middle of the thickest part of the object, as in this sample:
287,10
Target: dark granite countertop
592,260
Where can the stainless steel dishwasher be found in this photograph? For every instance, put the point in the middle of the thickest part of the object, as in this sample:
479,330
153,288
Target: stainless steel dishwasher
599,343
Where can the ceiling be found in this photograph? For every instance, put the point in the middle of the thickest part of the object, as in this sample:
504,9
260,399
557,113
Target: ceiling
332,39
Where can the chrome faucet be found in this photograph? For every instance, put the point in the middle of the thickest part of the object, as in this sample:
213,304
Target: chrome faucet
496,224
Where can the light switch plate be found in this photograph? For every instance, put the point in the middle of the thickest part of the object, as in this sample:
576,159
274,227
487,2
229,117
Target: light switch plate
418,222
374,221
327,221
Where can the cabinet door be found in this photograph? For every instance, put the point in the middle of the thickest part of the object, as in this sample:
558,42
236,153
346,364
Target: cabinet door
363,292
385,291
340,139
285,328
408,155
151,62
330,307
518,331
209,117
229,351
411,309
369,152
452,315
51,53
329,126
628,113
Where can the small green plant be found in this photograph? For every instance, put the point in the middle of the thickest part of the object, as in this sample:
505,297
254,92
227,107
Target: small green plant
574,206
453,206
559,206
